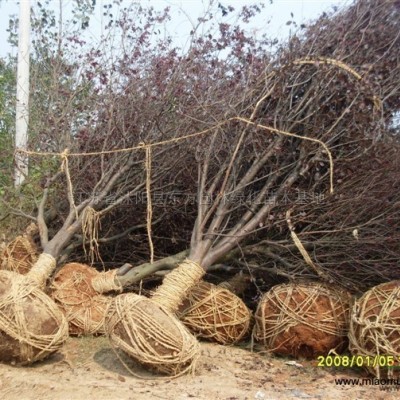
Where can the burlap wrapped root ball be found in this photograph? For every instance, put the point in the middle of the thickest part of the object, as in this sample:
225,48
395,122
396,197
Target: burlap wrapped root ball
375,330
148,331
31,325
19,255
215,313
73,289
303,320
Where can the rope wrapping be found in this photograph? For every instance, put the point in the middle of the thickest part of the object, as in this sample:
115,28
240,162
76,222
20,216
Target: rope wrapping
151,334
305,319
19,255
105,282
31,325
149,215
42,269
375,328
90,230
74,292
177,284
215,313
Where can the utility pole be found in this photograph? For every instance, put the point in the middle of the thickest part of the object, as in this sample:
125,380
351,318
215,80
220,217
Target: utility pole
22,109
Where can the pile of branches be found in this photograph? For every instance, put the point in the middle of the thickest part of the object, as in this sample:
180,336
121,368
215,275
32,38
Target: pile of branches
148,92
344,95
352,236
283,130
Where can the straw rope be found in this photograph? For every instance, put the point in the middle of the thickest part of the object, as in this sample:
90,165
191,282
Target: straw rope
106,282
331,61
319,271
177,283
149,202
65,168
28,329
148,331
213,312
189,136
374,327
90,231
83,307
150,334
288,313
19,255
378,106
42,269
168,141
84,317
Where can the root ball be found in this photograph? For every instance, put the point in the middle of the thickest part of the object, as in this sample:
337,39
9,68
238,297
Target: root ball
375,329
302,320
83,307
19,255
150,334
31,325
215,313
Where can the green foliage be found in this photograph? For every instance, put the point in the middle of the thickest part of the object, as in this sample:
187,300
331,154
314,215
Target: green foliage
7,117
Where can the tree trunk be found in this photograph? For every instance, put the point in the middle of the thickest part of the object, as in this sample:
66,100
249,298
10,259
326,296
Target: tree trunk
136,274
22,109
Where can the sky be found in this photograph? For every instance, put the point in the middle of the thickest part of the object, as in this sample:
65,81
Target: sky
273,19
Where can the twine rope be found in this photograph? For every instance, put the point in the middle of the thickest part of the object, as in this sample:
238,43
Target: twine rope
90,230
42,269
331,61
291,312
14,320
106,282
374,325
19,255
65,169
177,283
149,202
216,313
87,318
148,339
378,106
83,307
189,136
319,271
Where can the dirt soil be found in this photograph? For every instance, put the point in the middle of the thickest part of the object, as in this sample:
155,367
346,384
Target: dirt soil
88,368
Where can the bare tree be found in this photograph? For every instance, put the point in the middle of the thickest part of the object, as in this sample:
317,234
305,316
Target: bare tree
315,94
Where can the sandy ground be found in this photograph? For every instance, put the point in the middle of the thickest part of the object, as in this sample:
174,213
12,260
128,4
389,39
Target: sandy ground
88,368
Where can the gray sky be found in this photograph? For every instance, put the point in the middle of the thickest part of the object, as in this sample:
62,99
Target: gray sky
273,19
